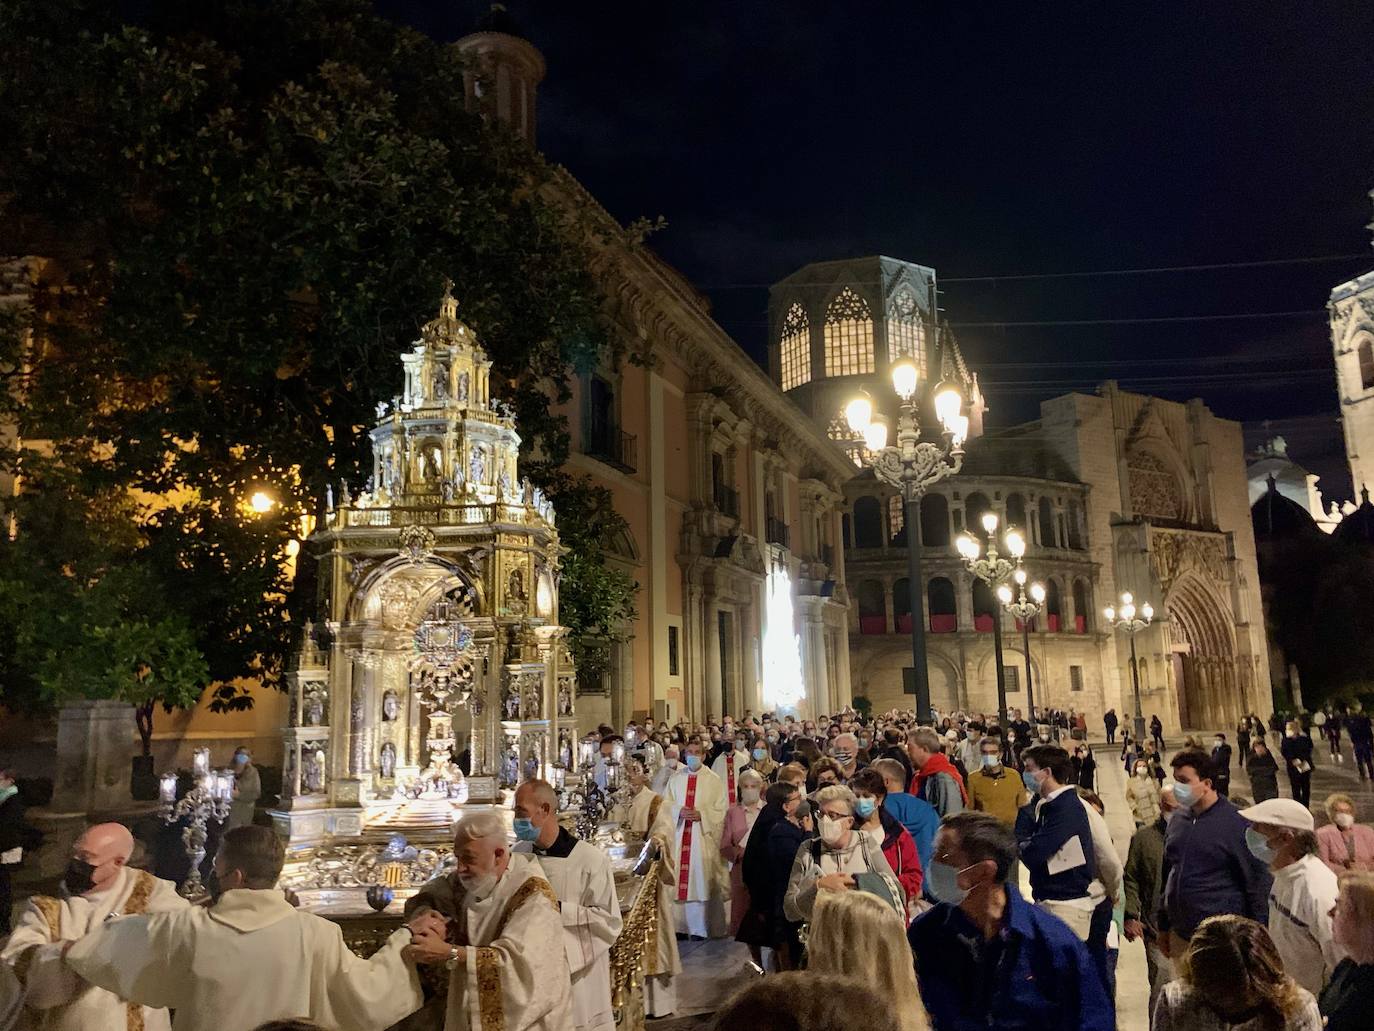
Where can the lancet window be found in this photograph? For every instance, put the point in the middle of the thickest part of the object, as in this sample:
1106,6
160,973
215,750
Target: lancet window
848,336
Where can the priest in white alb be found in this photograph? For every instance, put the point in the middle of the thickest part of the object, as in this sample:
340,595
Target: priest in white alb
695,799
97,886
504,945
728,766
584,882
250,958
651,820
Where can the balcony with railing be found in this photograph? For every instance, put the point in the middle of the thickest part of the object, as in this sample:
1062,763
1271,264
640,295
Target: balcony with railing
777,532
608,443
726,500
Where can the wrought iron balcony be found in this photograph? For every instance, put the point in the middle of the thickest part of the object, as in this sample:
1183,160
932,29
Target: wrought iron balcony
778,532
727,500
606,442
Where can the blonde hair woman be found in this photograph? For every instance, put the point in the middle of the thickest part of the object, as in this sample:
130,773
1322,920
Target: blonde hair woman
861,937
1348,997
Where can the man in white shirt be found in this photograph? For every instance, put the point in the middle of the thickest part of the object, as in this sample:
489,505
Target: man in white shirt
249,958
582,879
97,886
1304,891
695,799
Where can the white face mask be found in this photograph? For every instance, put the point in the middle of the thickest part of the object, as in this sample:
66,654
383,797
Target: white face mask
749,795
671,762
480,886
832,830
1345,821
1142,771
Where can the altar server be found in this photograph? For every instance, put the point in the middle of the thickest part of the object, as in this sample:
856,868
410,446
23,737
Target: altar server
651,819
508,969
695,798
728,766
582,879
249,958
96,887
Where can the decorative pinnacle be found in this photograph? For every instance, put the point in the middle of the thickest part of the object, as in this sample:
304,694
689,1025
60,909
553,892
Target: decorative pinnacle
448,305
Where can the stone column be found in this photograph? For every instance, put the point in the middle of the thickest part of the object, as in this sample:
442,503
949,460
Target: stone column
711,685
95,749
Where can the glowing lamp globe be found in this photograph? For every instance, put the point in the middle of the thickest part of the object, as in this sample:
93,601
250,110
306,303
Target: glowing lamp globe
1019,576
1110,613
1128,612
1038,593
859,413
1148,611
1016,544
261,502
989,523
948,401
875,435
967,546
1126,598
959,430
904,378
1004,594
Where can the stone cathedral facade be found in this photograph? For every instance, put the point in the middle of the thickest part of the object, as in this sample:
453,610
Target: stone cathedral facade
1114,491
1351,310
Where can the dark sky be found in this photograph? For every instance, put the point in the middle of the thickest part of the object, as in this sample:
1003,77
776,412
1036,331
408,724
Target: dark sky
998,140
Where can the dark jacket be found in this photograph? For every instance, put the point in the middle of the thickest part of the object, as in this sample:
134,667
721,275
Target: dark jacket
1348,998
1221,755
1264,776
1036,974
755,862
784,840
1041,835
1295,748
1360,729
1144,862
12,834
1208,870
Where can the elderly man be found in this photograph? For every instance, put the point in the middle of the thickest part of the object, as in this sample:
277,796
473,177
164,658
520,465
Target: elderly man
247,790
585,885
97,887
845,751
671,764
695,799
269,960
936,780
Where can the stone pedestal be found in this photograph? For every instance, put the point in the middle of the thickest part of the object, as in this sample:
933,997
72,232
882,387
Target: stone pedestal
95,749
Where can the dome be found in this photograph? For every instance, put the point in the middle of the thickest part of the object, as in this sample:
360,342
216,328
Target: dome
1275,515
1358,526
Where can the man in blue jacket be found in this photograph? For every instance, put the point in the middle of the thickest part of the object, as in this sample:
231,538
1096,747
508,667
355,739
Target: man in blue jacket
985,957
1056,839
1208,869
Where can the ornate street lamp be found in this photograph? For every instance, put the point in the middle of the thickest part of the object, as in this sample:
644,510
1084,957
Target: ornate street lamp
208,799
913,466
1128,622
1024,609
993,570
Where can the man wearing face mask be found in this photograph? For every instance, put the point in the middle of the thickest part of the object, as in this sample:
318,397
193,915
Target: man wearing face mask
729,765
696,802
672,762
994,789
271,961
582,879
987,958
1282,835
845,751
247,790
1142,883
98,885
1221,759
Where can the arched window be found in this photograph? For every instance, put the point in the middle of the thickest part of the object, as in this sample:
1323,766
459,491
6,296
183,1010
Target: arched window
943,606
872,608
984,607
1016,512
1047,524
1366,352
935,521
848,336
1082,607
1075,526
901,606
868,523
974,507
794,358
906,333
1054,607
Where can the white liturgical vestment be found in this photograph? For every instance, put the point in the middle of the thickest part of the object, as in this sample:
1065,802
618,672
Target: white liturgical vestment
728,766
248,959
651,818
55,998
514,976
701,884
582,879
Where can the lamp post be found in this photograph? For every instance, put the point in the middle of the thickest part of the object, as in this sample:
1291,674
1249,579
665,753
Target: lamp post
1024,609
209,798
1126,620
913,466
993,570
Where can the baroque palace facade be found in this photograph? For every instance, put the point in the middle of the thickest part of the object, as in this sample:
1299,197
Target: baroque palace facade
1114,492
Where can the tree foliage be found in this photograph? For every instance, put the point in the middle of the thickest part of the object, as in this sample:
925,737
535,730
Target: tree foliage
252,206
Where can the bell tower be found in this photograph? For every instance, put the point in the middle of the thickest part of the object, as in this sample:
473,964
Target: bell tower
503,72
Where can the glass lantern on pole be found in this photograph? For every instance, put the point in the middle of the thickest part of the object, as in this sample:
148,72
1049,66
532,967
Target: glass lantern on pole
993,569
1024,605
1130,622
913,466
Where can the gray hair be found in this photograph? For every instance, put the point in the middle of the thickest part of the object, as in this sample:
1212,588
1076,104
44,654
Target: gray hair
751,775
479,825
836,793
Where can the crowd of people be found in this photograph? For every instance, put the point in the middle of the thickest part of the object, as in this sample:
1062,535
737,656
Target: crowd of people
856,857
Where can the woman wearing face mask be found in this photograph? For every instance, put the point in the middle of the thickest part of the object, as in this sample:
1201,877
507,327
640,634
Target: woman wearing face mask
1344,844
739,822
762,883
1262,770
823,773
842,859
761,761
1297,756
1232,979
1348,999
899,847
1142,795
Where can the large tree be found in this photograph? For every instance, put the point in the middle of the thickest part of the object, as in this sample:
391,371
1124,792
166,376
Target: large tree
250,207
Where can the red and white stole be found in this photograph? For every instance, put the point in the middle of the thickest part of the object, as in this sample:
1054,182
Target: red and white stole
685,856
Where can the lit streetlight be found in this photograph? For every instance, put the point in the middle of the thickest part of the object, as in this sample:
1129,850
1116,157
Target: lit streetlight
994,569
1024,606
913,466
1130,622
261,502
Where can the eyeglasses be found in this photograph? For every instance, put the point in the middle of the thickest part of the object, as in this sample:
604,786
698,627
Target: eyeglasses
836,816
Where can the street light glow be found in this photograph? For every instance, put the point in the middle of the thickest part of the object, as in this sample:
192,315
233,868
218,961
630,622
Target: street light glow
1016,544
989,523
859,413
1038,593
1110,613
904,377
875,435
1004,594
947,403
967,546
261,502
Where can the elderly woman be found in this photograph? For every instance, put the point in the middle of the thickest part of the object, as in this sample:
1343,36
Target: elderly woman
739,821
1344,844
1348,998
841,859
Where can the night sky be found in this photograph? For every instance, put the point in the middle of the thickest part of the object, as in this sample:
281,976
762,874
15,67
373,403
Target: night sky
995,141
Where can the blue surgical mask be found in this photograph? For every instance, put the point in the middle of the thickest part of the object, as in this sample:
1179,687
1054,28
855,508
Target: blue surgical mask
1185,794
864,807
1032,785
760,754
694,763
1259,848
8,792
991,762
942,880
525,830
